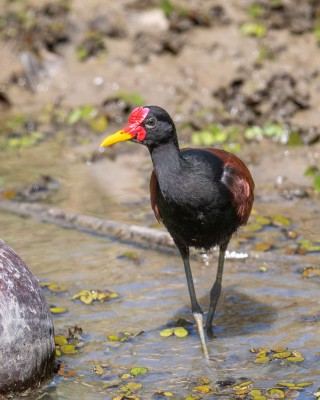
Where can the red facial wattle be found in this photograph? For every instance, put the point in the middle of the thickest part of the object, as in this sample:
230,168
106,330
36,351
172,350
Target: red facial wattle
134,127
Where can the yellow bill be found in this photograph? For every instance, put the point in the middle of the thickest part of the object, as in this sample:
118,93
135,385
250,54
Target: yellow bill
119,136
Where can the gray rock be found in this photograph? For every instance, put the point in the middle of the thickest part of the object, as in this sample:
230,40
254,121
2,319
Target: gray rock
27,350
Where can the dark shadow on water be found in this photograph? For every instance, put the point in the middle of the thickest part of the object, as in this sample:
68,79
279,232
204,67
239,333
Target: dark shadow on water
237,314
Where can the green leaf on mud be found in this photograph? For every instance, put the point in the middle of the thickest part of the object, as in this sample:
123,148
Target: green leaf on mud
311,171
253,29
99,124
316,183
132,98
294,139
253,132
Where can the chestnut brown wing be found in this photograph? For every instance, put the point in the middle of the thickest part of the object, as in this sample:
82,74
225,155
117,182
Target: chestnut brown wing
238,179
153,194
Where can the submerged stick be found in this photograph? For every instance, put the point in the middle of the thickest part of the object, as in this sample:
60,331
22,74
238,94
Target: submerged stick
67,219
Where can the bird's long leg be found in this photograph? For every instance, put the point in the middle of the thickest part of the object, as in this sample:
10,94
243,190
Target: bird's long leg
216,288
195,307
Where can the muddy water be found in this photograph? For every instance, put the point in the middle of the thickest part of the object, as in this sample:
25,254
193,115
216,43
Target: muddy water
258,309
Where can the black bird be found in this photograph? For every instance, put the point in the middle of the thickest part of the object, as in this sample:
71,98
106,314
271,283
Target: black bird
202,196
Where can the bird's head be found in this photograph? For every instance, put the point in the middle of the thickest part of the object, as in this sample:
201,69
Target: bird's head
150,125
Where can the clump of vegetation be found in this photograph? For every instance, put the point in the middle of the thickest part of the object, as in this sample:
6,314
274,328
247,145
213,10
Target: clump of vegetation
91,46
33,28
313,172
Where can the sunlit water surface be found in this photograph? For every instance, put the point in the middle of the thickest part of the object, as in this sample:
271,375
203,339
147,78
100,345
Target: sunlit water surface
257,309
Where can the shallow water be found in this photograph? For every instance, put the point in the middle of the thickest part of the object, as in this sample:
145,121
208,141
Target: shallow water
258,309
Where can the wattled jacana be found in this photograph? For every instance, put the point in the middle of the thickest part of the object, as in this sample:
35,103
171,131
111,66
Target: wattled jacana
201,195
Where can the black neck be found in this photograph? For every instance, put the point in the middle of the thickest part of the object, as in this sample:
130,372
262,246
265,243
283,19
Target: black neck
167,162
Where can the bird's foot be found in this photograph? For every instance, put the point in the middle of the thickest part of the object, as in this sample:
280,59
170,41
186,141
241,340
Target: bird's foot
198,317
209,332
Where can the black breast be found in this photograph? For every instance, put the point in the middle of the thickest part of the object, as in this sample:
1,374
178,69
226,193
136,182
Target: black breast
196,207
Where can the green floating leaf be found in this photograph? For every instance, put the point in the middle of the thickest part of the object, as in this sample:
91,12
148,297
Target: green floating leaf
138,371
113,338
285,384
126,376
131,387
60,340
131,255
308,246
281,355
304,384
58,310
262,360
275,394
263,246
253,227
279,349
68,349
97,369
263,220
180,332
295,359
166,332
203,389
123,336
56,288
280,220
88,296
310,272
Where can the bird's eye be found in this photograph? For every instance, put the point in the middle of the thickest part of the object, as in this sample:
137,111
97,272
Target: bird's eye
151,122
